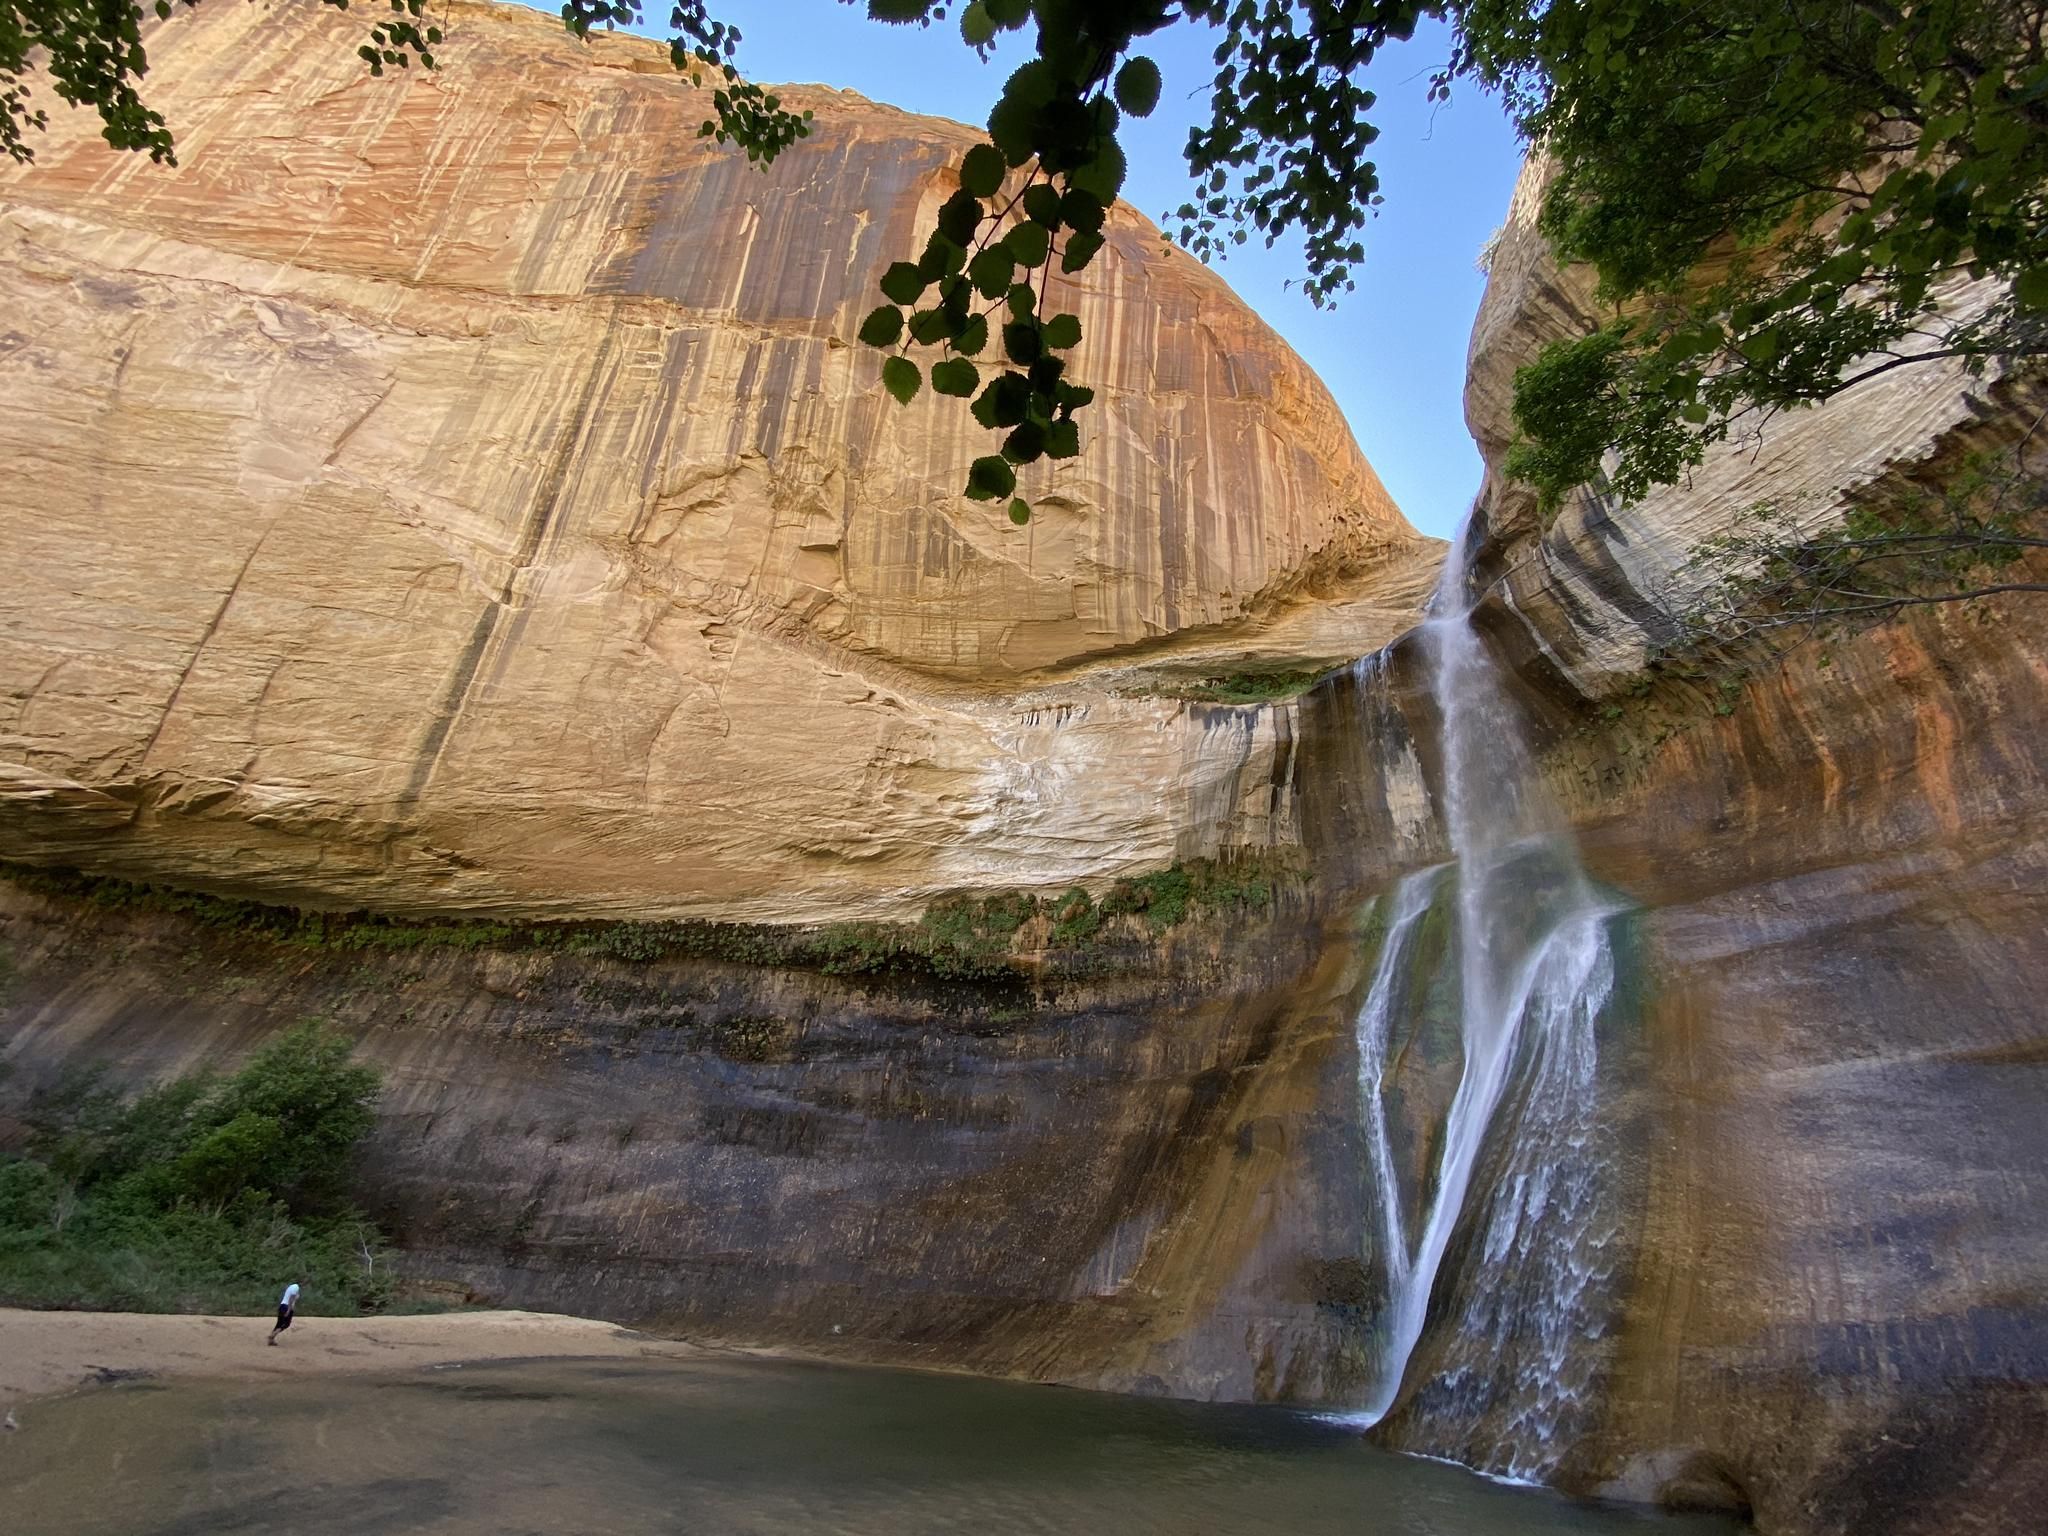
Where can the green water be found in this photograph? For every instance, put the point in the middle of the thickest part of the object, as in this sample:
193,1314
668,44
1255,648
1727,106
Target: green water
725,1446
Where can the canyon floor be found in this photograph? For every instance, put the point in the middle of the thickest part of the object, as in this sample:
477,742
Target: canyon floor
46,1353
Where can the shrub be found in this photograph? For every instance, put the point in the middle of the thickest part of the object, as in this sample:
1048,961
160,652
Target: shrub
1075,918
200,1192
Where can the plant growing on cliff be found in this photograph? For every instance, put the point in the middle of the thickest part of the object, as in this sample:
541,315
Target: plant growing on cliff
1776,197
200,1192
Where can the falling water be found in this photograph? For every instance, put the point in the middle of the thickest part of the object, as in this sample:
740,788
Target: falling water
1533,970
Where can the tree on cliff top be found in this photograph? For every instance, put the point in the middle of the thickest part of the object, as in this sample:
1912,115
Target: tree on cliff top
1775,194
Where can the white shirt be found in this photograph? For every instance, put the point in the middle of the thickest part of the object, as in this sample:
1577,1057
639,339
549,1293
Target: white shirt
291,1296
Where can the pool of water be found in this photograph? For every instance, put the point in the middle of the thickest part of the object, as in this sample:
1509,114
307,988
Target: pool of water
727,1446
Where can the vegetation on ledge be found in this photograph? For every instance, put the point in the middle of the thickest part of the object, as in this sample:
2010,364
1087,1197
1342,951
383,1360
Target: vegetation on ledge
964,937
1239,687
1774,583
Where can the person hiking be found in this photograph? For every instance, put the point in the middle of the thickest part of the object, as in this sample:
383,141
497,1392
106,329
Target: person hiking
287,1304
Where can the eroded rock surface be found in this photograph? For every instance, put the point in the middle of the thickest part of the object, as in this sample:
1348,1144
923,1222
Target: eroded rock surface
462,491
501,660
1119,1180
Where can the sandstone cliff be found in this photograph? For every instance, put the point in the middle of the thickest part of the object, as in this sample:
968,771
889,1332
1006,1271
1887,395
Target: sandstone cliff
1822,1102
1820,1086
460,492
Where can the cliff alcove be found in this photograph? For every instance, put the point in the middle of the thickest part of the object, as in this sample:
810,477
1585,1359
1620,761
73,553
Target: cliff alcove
453,504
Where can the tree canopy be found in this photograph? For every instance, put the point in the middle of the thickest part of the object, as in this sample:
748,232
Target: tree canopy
1779,197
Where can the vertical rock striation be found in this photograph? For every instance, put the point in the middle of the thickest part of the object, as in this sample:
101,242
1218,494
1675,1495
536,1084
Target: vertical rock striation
461,491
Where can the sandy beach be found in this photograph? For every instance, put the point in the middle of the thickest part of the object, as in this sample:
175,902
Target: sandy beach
45,1353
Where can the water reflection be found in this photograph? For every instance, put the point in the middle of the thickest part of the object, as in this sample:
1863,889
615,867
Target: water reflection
727,1446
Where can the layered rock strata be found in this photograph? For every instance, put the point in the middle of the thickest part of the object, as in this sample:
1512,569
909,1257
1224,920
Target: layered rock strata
461,491
1821,1092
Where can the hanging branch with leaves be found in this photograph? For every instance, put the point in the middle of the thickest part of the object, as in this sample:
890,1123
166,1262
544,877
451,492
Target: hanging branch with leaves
1778,196
1981,531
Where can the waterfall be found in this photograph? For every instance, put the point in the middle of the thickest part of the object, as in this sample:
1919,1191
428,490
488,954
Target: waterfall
1515,1160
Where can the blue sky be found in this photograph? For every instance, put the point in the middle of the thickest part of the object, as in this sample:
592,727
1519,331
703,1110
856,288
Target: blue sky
1393,353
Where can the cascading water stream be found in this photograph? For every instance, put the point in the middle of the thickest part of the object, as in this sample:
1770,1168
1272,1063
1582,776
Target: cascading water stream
1533,970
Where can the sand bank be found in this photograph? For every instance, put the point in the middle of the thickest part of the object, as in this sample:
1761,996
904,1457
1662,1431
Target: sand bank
50,1352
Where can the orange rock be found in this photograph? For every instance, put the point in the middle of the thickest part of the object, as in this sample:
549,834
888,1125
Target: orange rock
463,491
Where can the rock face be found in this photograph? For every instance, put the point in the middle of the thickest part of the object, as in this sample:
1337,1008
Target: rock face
461,491
1824,1117
1117,1182
480,535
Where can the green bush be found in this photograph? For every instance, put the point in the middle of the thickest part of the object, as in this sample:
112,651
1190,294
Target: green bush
200,1193
1075,918
1162,897
1245,687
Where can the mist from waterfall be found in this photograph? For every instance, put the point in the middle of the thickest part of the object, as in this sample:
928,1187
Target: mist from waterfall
1515,1164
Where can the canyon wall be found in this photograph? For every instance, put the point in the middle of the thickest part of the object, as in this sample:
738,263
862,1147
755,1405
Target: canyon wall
461,492
472,537
461,495
1115,1175
1822,1103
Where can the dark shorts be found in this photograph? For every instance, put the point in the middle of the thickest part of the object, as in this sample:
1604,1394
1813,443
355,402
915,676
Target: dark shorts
284,1316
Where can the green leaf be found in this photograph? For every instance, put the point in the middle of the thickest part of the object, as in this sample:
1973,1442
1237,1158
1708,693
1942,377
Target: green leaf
1042,204
1005,402
960,218
901,378
1081,249
1012,125
955,376
990,477
982,172
1020,511
898,11
992,270
882,326
1081,209
1009,14
1137,86
1022,301
1026,444
1102,177
1021,342
2030,288
903,282
1029,243
928,327
1062,440
1063,331
972,338
940,257
977,27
